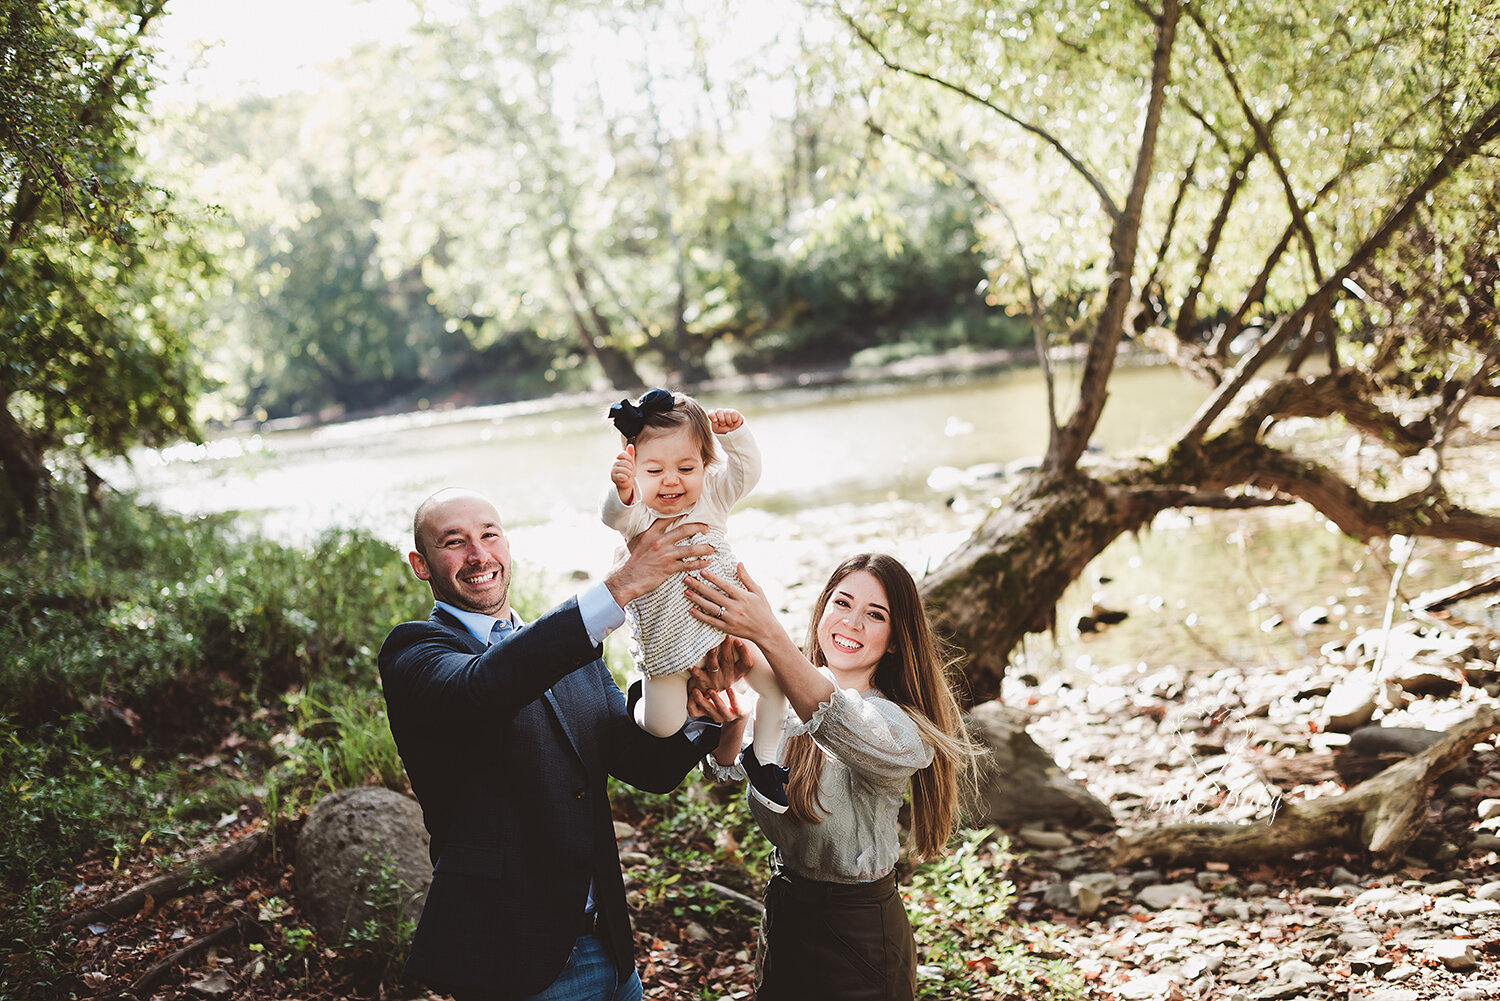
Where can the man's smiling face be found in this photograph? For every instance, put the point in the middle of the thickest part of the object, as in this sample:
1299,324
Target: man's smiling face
462,552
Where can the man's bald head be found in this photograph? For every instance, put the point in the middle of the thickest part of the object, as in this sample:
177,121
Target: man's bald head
460,549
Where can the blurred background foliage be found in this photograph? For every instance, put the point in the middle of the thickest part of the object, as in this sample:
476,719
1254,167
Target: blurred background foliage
510,198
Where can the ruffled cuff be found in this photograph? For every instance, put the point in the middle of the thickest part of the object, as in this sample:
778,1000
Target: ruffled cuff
835,708
723,773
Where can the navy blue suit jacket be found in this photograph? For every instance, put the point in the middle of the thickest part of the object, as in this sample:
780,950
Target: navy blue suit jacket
507,749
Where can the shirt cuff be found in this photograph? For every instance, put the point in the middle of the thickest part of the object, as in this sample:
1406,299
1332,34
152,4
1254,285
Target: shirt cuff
601,613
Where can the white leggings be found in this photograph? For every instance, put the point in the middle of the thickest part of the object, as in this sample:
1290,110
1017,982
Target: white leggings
663,709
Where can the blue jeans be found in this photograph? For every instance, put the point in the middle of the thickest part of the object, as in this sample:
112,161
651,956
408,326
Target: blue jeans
590,976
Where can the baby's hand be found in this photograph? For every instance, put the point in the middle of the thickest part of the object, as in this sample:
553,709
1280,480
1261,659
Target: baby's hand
725,420
622,474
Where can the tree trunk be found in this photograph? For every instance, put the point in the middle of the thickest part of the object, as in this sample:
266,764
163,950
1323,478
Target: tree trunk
1383,815
21,460
1006,579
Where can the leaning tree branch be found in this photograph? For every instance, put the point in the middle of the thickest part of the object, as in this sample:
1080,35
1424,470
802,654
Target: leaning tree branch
1090,177
180,880
1187,313
1263,138
1068,445
1485,130
1347,394
1238,459
1482,373
1153,280
1167,498
982,191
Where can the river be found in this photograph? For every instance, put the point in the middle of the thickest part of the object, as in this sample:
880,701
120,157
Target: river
908,468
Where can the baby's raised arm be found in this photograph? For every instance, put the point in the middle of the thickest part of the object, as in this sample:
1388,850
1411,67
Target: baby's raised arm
622,474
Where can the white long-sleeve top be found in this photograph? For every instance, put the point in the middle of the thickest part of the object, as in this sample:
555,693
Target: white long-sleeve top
664,638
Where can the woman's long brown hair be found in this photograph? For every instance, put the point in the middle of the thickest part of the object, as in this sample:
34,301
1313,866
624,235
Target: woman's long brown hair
911,675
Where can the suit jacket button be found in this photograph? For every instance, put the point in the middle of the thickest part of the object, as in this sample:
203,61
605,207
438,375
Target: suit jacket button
578,793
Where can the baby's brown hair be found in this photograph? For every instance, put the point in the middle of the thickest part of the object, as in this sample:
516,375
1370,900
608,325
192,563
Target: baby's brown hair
660,412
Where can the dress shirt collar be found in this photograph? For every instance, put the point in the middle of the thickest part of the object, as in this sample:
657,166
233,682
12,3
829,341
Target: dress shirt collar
477,622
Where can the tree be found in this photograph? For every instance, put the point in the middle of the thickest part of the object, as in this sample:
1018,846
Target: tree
1241,215
95,273
331,329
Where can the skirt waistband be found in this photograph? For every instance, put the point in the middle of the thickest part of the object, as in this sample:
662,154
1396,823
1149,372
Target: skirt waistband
813,890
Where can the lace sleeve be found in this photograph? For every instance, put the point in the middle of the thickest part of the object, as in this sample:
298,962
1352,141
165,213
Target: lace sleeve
872,735
723,773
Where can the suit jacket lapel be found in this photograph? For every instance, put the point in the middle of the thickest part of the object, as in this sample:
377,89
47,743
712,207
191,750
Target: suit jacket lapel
448,621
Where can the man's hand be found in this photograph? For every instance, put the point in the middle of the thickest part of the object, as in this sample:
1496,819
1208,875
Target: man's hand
622,475
725,420
654,556
722,666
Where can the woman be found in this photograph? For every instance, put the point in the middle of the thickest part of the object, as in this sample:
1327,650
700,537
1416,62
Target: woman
870,714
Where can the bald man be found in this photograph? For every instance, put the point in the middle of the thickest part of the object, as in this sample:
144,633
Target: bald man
508,730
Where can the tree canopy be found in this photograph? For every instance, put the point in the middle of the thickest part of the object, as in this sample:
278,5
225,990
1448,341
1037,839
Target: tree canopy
96,276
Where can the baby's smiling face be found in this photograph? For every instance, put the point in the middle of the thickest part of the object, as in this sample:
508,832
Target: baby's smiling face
669,468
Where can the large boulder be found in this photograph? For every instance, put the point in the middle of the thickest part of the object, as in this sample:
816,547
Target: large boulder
362,868
1019,782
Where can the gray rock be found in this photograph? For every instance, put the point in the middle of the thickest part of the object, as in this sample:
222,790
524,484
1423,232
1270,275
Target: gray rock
1342,877
1165,895
1145,877
1421,678
1019,782
1489,891
1035,837
362,868
1300,974
1487,809
1351,704
1236,910
1468,907
1455,953
1375,966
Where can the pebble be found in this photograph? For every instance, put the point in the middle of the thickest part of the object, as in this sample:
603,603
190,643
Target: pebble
1164,895
1456,954
1038,838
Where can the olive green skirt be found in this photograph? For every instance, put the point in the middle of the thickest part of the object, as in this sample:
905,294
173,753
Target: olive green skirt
835,942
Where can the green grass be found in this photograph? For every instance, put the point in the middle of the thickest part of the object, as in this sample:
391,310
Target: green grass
969,943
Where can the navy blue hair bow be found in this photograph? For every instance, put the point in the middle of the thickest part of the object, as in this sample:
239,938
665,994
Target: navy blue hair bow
630,418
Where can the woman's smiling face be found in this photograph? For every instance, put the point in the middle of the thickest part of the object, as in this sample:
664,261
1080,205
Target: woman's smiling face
854,631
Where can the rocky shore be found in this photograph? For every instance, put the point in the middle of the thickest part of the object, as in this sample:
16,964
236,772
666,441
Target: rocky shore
1165,745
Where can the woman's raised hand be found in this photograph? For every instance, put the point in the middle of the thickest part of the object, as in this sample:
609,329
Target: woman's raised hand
738,609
